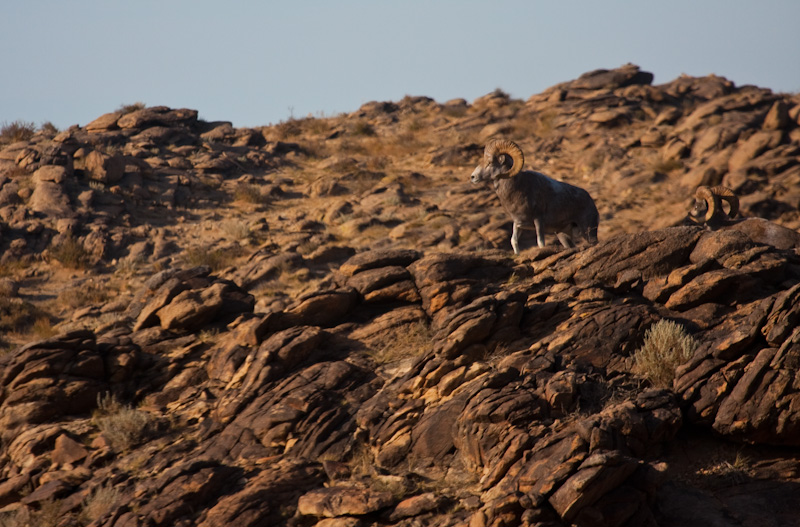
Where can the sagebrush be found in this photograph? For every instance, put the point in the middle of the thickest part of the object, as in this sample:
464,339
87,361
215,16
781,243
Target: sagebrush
666,346
123,426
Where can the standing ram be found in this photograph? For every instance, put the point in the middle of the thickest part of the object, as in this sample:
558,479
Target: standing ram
534,200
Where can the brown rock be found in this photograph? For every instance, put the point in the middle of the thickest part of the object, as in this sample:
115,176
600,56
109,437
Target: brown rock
47,492
647,254
415,505
192,309
704,288
49,196
378,258
342,521
157,115
599,474
626,75
105,168
718,245
187,486
342,501
754,146
322,308
105,122
777,118
68,451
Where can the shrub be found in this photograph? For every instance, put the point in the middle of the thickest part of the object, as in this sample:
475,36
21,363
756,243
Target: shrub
408,340
122,425
48,515
249,193
17,315
216,259
71,254
49,128
236,229
364,129
16,131
666,346
88,293
99,502
130,108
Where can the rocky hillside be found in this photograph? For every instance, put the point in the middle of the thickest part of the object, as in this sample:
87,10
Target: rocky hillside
321,322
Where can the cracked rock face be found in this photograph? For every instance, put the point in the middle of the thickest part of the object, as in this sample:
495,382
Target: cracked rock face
365,350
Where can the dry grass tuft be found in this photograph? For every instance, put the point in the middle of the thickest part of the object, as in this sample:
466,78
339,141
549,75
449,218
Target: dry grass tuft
727,472
363,128
71,254
84,295
216,259
250,193
48,515
408,340
130,108
99,502
666,346
21,318
665,166
122,425
236,229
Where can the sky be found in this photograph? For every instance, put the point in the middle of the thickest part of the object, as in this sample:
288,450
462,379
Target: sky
262,62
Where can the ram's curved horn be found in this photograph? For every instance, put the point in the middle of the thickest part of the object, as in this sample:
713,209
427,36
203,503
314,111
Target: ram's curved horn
510,148
727,194
712,201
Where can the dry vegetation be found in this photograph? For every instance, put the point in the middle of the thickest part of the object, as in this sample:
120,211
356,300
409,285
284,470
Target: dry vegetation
666,346
122,425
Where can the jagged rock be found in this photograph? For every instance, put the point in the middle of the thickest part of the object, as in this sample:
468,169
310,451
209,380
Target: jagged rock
398,342
752,147
267,497
415,505
49,196
46,379
105,168
322,309
342,501
68,451
186,486
105,122
190,310
610,79
157,116
377,259
640,255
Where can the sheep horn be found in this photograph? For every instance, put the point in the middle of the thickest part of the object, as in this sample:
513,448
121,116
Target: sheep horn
501,146
727,194
712,201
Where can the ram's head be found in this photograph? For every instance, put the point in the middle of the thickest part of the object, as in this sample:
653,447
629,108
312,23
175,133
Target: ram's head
501,159
708,207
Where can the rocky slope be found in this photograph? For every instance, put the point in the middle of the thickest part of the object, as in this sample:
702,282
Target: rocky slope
321,322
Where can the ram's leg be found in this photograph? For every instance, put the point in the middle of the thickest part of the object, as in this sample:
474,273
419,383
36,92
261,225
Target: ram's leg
539,233
515,232
565,240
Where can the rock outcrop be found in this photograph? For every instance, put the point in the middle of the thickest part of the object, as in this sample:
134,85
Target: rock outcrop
270,338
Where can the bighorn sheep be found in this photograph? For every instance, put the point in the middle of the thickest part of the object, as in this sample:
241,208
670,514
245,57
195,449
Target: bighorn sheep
534,200
708,205
708,211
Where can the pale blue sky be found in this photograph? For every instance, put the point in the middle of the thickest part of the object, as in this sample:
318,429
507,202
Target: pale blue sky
255,63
